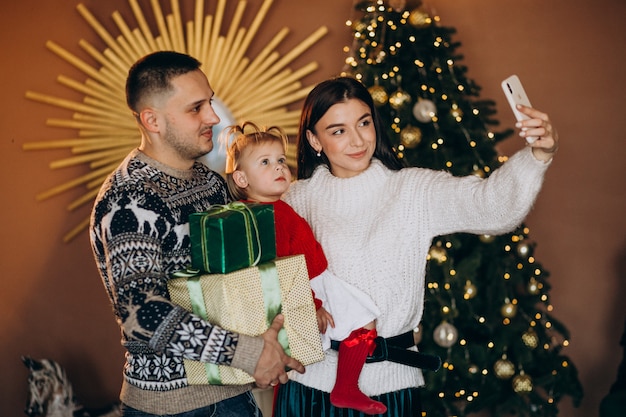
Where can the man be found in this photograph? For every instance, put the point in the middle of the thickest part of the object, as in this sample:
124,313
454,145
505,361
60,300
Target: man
140,236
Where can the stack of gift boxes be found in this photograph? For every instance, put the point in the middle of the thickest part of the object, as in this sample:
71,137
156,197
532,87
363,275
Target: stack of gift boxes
237,282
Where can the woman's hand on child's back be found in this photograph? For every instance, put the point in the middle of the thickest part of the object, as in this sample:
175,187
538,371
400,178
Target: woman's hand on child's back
324,319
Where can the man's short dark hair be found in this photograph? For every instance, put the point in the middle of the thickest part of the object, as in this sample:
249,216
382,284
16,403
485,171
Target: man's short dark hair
153,73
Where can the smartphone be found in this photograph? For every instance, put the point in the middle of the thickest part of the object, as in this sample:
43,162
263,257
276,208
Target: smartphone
515,94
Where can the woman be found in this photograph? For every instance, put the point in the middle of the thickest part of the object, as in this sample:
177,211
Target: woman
376,221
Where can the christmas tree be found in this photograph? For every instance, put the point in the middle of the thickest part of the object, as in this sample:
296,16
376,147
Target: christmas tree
487,311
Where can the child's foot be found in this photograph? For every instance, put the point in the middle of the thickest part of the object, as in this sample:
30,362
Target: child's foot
356,400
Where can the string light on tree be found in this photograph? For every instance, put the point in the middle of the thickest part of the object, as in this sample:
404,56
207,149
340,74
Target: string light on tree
438,254
509,309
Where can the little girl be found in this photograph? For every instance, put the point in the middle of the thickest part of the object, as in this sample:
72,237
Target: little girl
257,171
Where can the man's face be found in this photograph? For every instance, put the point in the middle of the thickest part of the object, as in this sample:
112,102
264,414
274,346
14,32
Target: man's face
188,117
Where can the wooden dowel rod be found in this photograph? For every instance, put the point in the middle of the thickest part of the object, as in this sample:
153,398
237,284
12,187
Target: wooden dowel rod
113,64
119,143
265,58
236,76
262,84
102,32
107,91
250,76
143,24
191,47
212,64
128,34
113,101
161,44
281,100
171,27
298,50
89,196
76,230
197,34
107,120
132,55
178,25
142,44
229,66
60,102
81,145
113,108
251,33
108,134
81,159
206,40
73,60
158,15
228,43
74,183
110,79
115,158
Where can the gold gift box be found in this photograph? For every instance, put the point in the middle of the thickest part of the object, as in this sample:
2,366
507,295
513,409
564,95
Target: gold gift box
245,301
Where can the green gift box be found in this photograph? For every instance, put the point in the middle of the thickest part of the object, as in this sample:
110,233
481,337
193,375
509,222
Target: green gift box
229,237
246,301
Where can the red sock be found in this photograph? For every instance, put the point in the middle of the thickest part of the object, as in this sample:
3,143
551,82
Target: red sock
352,354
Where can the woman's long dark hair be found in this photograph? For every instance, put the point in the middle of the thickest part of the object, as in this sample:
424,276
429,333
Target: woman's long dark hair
320,99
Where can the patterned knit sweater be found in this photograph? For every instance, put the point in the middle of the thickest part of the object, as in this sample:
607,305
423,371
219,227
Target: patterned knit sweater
376,229
140,236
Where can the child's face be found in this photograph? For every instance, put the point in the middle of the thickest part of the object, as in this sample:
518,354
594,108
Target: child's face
265,171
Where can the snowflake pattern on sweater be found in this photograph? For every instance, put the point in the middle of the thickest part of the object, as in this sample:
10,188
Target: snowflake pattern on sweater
140,237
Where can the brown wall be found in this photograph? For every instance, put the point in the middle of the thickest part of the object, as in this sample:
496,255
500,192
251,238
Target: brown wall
569,54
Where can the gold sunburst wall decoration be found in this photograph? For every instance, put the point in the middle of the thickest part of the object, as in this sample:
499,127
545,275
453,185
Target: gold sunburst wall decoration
259,88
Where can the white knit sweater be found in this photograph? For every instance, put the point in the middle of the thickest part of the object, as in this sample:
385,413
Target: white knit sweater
376,229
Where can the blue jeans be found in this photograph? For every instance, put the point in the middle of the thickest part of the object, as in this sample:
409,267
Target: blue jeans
243,405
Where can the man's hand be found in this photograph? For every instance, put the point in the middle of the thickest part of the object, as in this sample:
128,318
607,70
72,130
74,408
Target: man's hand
270,370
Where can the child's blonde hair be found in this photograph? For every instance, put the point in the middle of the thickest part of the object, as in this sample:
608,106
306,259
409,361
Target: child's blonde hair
243,136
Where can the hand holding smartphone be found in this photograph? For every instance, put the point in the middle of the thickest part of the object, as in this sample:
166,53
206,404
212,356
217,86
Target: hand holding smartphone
515,94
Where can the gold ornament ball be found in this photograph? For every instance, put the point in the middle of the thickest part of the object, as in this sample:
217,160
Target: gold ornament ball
533,286
508,310
424,110
456,112
445,335
479,172
399,99
419,18
438,254
522,383
504,368
410,136
470,290
359,26
530,338
486,238
523,249
379,95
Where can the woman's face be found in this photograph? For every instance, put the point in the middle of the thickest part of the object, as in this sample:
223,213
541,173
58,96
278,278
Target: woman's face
346,134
